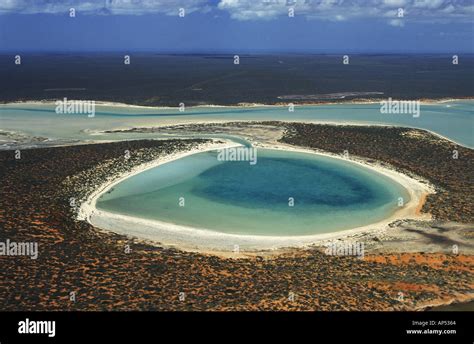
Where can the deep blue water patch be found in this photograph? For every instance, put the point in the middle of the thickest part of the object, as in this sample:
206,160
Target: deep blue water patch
272,181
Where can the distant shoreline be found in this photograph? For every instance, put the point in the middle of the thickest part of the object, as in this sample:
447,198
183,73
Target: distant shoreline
44,141
424,101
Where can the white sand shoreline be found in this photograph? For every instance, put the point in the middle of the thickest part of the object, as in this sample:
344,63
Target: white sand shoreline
203,240
423,101
187,120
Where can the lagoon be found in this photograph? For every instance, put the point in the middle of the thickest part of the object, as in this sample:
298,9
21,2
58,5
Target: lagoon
283,194
453,120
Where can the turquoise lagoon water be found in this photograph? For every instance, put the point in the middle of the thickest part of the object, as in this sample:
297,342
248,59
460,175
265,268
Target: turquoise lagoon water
454,120
236,197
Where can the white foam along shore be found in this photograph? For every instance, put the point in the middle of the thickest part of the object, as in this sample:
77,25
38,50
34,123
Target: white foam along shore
203,240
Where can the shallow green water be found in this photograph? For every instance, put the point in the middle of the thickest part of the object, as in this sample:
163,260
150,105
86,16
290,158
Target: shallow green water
237,197
454,120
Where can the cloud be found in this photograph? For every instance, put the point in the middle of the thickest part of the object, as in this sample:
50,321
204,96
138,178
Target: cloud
395,3
245,10
334,10
428,3
111,7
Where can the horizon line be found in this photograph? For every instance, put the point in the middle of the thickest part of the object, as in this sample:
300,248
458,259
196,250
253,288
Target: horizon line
231,52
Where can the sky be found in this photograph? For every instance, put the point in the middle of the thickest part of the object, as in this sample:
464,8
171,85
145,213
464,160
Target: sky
238,26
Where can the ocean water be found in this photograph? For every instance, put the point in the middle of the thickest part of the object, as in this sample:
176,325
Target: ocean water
237,197
167,80
454,120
